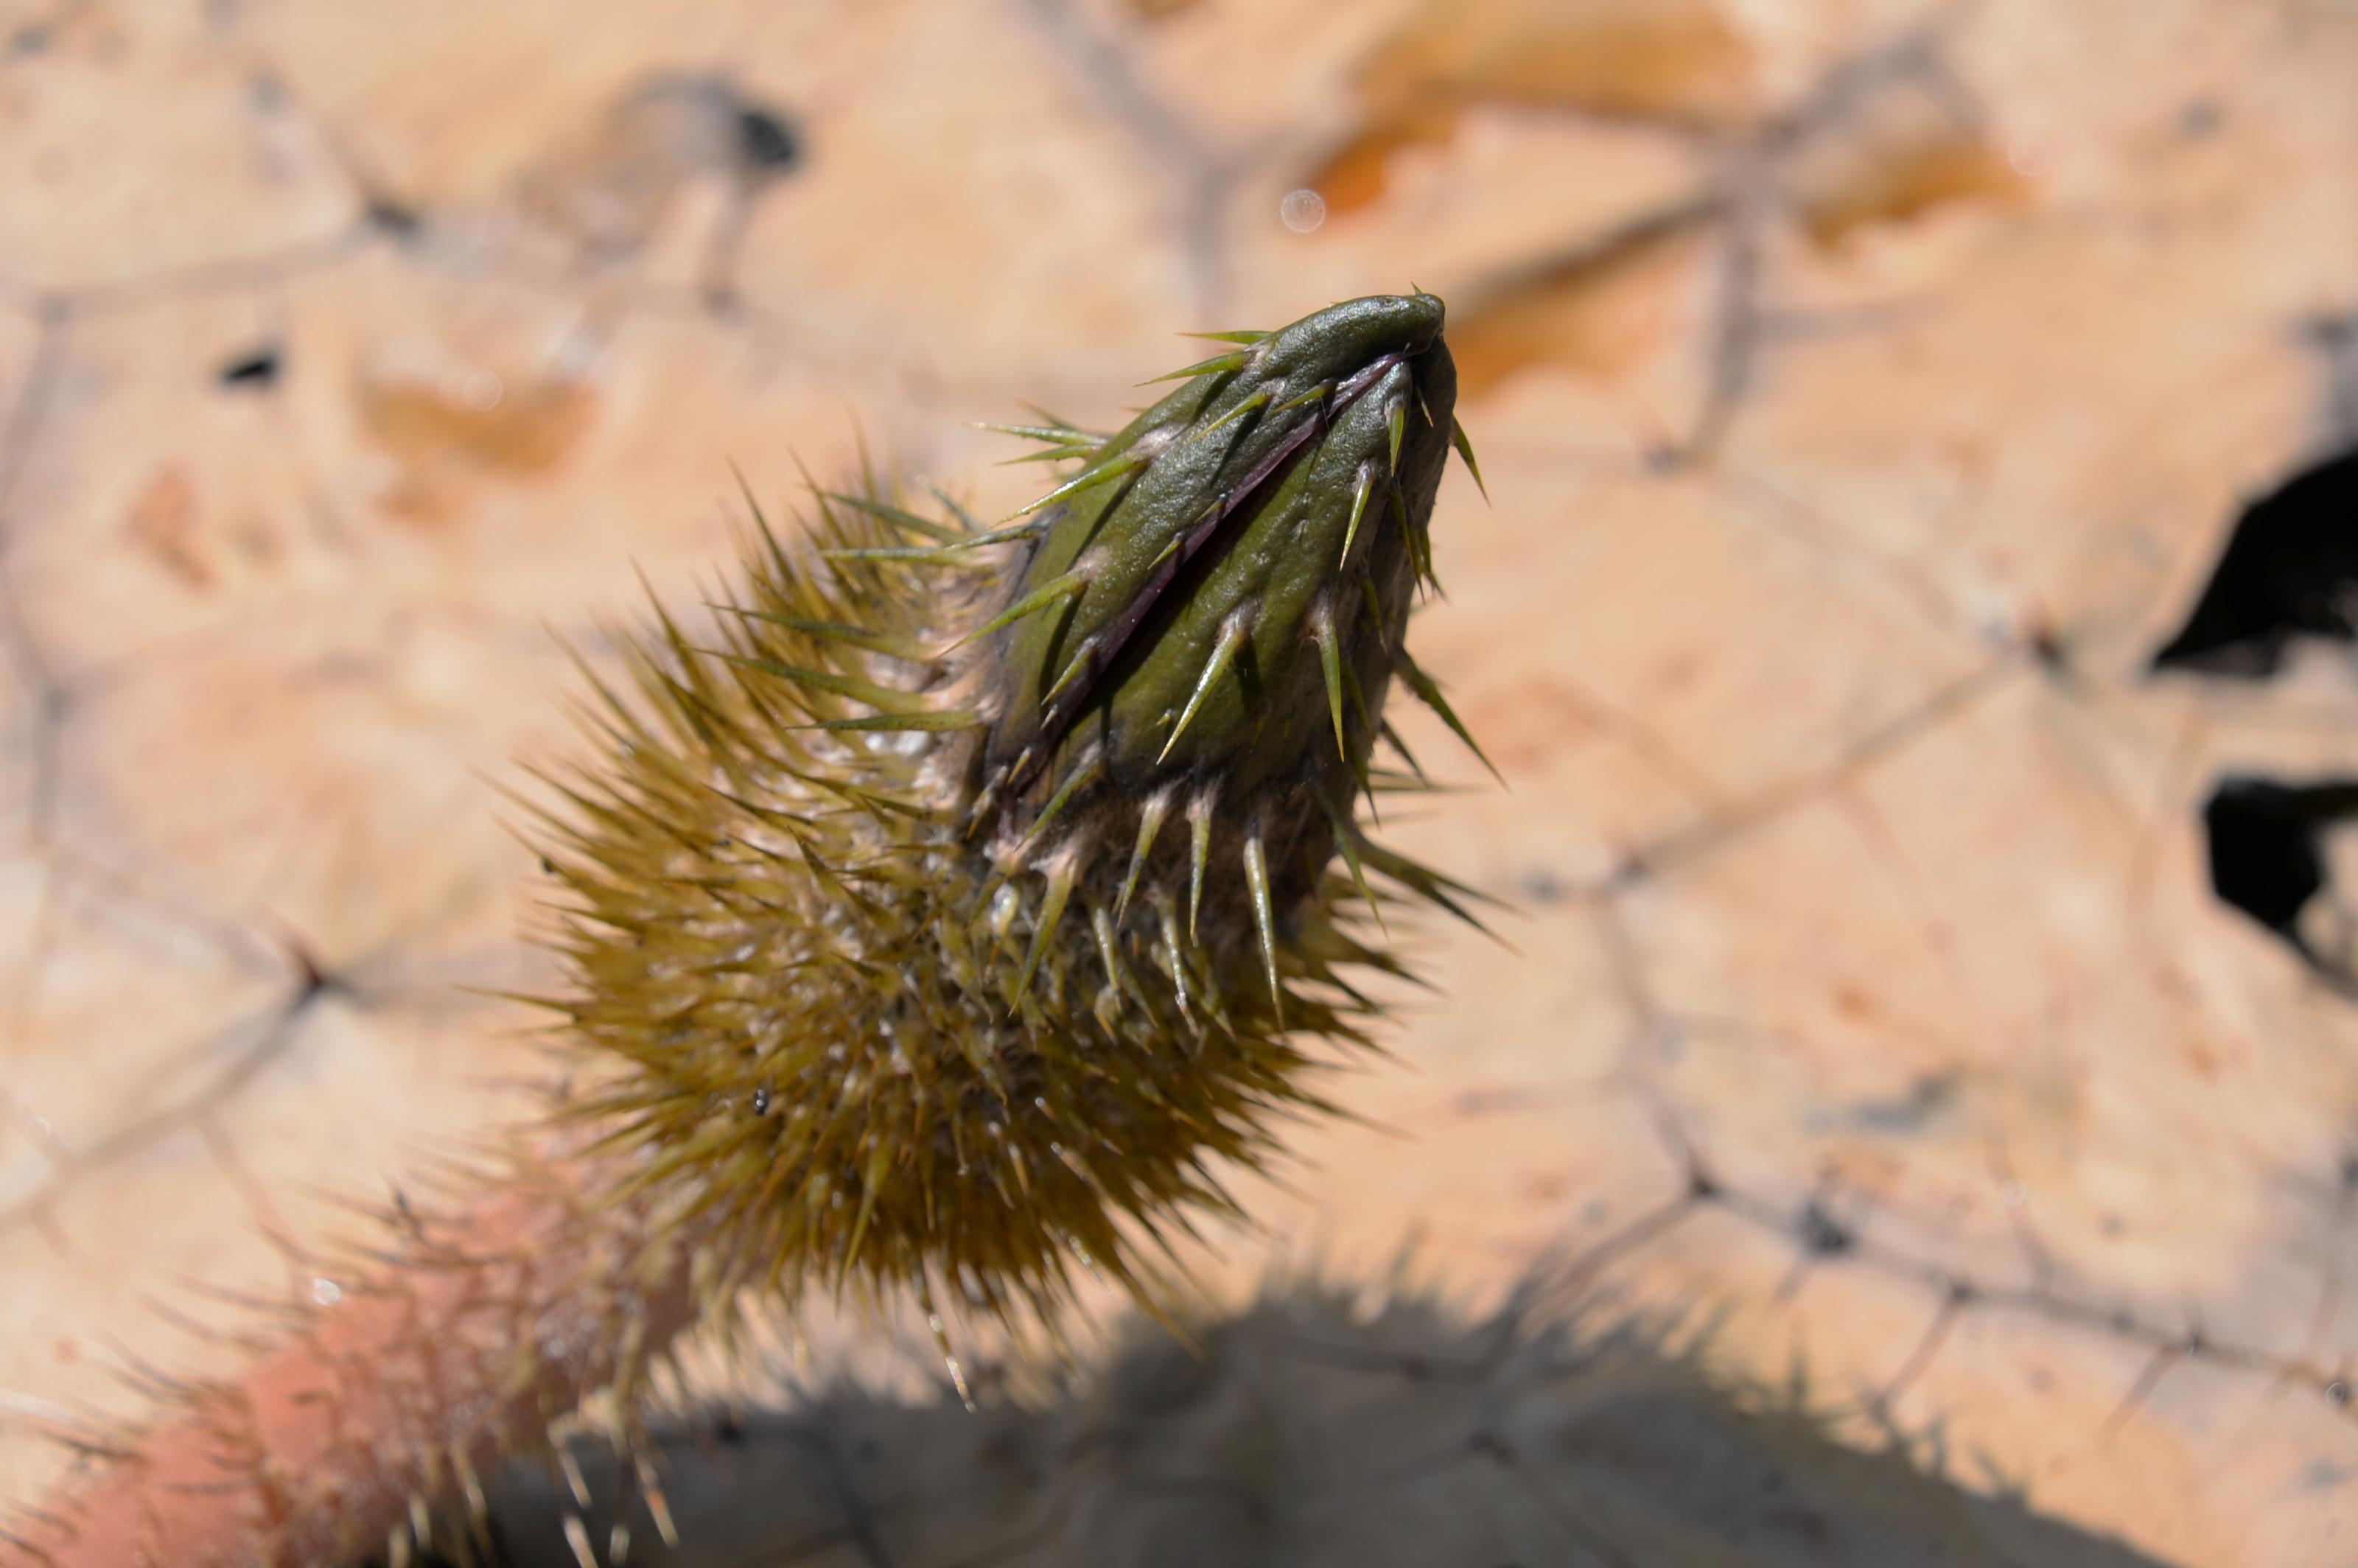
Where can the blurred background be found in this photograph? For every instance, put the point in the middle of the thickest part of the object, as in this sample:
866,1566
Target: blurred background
1913,622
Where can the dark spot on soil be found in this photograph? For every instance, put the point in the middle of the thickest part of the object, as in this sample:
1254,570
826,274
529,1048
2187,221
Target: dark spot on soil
765,140
1822,1234
2266,850
2291,569
394,218
257,370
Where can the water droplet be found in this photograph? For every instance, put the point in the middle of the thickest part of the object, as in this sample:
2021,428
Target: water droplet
2338,1391
2014,1194
1302,210
482,391
327,1292
2030,155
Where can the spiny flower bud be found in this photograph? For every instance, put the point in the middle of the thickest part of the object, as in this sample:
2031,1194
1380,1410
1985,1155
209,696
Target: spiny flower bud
1208,600
891,965
941,928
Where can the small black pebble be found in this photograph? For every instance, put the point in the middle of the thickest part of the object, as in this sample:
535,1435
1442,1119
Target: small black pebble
765,141
401,222
1822,1234
257,371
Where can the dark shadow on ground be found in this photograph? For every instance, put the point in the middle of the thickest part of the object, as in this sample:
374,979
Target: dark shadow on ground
1311,1430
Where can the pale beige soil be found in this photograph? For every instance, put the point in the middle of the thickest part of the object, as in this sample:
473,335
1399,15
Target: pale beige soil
1859,858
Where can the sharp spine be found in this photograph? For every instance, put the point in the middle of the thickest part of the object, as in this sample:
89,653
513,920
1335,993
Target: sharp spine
1316,394
1150,818
952,554
890,699
1055,435
1392,738
1052,912
1083,656
1101,928
1219,364
1233,631
1367,482
1419,545
1199,854
966,521
1052,592
1264,918
1464,445
1168,918
1428,691
899,517
1425,882
1083,773
1252,403
1345,842
1330,661
1119,466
